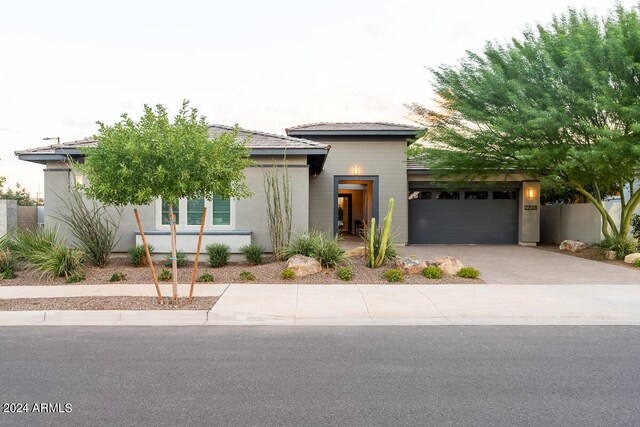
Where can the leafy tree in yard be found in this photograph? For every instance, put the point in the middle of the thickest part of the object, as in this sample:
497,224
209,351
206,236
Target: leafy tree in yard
20,194
136,162
560,101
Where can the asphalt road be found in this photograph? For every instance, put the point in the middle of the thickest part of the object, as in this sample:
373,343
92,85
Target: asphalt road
564,376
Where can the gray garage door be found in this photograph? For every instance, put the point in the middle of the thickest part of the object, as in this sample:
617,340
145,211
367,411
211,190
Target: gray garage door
463,216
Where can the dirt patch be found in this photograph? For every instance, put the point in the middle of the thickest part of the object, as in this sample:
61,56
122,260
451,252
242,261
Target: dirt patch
591,253
104,303
267,273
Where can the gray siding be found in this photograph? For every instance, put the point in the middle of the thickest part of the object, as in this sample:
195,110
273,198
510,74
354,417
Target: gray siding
386,159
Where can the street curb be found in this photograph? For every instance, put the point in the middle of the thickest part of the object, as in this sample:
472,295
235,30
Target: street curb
104,318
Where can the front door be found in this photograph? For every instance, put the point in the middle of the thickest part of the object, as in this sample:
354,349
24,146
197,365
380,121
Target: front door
344,213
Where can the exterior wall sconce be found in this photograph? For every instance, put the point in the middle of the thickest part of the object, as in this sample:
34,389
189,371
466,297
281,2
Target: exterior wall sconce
356,170
530,193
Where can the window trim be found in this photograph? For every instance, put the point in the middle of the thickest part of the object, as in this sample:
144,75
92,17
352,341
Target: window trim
182,225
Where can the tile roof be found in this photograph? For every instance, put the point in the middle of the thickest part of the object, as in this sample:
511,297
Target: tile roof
258,141
354,126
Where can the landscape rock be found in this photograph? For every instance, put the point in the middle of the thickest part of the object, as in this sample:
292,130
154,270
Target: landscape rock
304,265
410,265
573,246
359,251
449,265
610,255
631,258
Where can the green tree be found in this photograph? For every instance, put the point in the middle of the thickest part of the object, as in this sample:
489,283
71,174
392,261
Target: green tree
20,194
137,162
559,101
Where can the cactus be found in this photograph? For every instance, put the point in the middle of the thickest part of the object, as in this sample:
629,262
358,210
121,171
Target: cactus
372,238
376,260
386,229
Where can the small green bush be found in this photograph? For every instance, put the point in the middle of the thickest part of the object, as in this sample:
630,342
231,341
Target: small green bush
181,259
468,273
323,247
393,275
253,253
432,272
138,256
621,246
59,261
288,274
26,243
303,244
118,277
635,226
206,278
637,263
247,276
165,275
7,265
345,273
80,276
219,254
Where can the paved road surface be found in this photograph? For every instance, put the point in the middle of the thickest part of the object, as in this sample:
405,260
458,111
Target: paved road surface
456,375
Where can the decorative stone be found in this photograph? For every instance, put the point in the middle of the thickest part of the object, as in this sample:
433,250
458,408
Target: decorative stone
304,265
573,246
410,265
631,258
359,251
610,255
449,265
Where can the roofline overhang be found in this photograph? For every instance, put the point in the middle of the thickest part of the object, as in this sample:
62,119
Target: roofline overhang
302,132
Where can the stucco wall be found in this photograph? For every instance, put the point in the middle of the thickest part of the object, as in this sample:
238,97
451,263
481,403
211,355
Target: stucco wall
8,216
386,159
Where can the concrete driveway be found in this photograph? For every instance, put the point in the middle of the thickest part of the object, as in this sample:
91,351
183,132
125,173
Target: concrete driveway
519,265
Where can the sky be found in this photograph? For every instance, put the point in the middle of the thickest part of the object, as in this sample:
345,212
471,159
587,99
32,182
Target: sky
265,65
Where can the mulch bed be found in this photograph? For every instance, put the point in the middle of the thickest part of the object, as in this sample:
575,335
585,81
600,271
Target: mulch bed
104,303
592,253
268,273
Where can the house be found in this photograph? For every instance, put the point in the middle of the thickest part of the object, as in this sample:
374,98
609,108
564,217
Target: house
343,174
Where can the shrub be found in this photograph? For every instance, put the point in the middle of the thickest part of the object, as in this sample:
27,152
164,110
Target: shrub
345,273
77,277
635,226
468,273
7,265
637,263
253,253
247,276
25,243
137,255
165,275
622,246
118,277
219,254
393,275
288,274
181,259
432,272
206,278
324,248
59,261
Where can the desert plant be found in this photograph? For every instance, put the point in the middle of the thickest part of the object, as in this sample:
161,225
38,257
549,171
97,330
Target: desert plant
181,259
277,191
393,275
165,275
432,272
324,248
379,241
637,263
7,265
118,277
219,254
622,246
26,242
345,273
91,224
247,276
468,273
80,276
635,226
137,255
288,274
253,253
206,278
302,244
58,261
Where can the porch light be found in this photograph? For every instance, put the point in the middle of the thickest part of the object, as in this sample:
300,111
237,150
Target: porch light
356,170
530,193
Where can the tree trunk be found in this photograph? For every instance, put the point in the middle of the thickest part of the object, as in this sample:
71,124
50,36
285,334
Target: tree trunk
174,260
610,229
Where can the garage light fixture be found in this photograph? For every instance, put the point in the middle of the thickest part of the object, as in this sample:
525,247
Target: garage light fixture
356,170
531,193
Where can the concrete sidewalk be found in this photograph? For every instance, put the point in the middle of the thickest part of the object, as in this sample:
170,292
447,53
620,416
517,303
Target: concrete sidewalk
356,305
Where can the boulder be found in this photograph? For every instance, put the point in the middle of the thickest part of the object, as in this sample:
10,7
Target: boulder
631,258
449,265
572,246
610,255
304,265
410,265
359,251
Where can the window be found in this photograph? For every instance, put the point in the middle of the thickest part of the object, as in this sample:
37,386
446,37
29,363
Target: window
220,213
447,195
476,195
417,194
504,195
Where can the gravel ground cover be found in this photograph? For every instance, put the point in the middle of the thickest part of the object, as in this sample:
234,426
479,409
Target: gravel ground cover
104,303
594,254
269,273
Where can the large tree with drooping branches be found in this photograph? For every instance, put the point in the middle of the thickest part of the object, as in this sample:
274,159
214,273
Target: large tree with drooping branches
562,101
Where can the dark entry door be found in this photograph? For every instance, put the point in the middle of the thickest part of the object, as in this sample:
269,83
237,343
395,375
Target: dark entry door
463,216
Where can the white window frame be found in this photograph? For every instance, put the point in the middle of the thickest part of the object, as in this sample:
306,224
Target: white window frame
182,225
